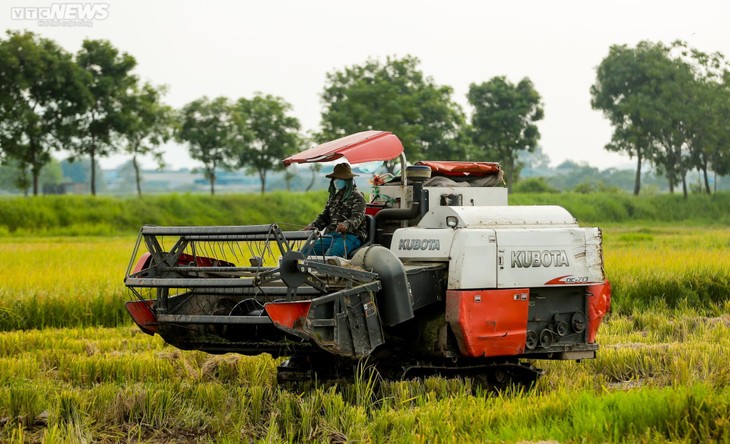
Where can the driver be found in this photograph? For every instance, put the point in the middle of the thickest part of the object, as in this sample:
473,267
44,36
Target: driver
343,218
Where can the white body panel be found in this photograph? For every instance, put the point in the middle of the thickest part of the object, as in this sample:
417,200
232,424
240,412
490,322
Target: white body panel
500,217
473,262
505,247
419,244
548,257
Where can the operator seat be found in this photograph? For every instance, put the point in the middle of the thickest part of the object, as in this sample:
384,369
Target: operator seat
370,229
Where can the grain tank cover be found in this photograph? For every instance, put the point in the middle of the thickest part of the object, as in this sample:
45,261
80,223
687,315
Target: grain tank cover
498,216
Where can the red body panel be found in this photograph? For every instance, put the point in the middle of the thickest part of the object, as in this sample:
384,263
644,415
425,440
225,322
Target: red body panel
142,263
373,209
489,322
183,260
365,146
599,302
143,315
288,314
461,169
201,261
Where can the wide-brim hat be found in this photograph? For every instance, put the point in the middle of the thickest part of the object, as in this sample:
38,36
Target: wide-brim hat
342,171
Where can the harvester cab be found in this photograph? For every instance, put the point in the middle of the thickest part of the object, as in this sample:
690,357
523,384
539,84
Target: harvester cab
450,281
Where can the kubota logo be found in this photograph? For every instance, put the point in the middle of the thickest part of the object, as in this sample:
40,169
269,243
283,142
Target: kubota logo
419,244
536,258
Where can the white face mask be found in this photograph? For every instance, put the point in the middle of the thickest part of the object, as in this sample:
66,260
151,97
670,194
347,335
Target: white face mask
340,184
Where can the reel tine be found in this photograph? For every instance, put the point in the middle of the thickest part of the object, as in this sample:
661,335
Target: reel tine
231,246
243,256
221,246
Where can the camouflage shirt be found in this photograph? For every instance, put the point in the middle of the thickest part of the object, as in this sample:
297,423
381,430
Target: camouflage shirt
350,211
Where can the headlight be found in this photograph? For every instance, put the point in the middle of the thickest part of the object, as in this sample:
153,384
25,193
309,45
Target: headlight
452,221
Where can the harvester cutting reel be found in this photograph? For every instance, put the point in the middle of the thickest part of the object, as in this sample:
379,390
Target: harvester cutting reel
197,294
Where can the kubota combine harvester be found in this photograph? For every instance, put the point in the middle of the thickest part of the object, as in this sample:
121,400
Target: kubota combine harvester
450,281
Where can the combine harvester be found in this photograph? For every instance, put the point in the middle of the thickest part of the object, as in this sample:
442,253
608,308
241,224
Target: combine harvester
451,281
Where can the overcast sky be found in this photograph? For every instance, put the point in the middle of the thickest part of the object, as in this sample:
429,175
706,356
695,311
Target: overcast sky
285,48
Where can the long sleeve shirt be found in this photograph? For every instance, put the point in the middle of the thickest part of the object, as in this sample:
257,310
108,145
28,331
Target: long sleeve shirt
350,211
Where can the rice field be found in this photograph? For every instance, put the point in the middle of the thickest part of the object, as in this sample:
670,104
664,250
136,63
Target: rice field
671,266
660,377
73,369
76,282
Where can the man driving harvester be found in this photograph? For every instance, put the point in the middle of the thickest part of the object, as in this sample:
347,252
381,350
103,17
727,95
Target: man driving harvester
343,218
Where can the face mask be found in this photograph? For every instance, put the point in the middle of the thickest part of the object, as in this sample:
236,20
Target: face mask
340,184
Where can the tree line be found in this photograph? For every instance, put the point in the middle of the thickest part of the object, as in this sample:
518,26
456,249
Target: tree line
669,106
667,103
92,105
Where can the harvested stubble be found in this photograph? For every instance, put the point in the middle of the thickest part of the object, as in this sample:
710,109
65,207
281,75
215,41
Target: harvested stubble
121,385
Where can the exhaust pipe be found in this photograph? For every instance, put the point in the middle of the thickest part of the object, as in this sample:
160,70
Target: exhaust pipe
416,210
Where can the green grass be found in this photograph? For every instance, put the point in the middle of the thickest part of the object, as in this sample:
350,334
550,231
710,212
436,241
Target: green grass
607,208
111,216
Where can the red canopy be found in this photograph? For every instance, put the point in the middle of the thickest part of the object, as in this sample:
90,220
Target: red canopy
365,146
461,169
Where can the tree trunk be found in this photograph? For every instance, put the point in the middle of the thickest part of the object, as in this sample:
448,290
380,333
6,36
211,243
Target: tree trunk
262,177
137,177
637,179
311,182
35,170
93,171
684,185
509,172
211,177
704,175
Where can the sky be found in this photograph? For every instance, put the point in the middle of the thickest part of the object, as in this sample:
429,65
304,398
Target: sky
287,47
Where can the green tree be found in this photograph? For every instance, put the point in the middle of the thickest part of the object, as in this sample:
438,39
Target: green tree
503,123
265,133
719,157
395,96
109,79
147,123
644,93
40,92
672,126
623,90
707,110
206,127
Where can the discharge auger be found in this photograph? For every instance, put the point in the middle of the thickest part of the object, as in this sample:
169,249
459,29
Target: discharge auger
450,281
